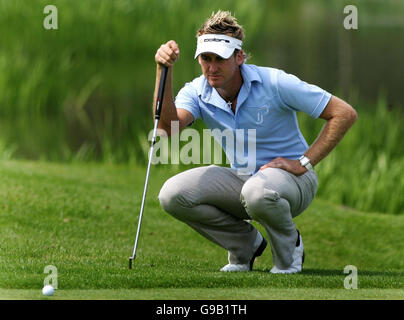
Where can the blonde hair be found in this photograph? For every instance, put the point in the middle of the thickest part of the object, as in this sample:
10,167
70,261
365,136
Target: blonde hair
222,22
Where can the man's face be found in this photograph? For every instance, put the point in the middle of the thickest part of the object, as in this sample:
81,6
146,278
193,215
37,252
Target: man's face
218,71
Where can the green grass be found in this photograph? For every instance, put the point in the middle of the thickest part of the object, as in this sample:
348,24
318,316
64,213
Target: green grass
206,294
82,218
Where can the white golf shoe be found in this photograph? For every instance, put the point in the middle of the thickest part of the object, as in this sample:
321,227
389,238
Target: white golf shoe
248,266
298,259
235,267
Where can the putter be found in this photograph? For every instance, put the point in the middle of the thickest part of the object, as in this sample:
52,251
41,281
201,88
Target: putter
159,104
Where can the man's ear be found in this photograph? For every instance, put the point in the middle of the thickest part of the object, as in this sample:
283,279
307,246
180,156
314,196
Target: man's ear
240,57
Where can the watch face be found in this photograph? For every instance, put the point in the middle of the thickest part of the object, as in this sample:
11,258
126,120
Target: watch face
304,161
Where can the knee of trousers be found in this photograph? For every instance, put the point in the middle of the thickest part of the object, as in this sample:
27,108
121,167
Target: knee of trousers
260,201
172,198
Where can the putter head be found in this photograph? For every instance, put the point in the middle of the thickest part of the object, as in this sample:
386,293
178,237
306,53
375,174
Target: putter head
130,262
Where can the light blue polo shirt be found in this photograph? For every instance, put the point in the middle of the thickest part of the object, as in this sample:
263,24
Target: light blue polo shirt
267,104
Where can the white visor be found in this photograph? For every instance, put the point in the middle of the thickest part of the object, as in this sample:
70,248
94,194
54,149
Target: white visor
218,44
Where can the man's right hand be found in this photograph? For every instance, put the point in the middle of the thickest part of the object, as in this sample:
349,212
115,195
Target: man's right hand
167,54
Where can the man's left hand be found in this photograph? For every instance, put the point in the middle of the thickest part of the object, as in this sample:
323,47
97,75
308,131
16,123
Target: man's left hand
292,166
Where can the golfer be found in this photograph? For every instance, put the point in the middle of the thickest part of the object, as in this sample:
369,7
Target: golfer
218,202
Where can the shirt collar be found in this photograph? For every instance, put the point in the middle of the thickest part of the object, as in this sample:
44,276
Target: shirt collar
249,75
208,95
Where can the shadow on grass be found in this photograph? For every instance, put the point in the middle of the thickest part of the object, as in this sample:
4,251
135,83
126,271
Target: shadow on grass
337,272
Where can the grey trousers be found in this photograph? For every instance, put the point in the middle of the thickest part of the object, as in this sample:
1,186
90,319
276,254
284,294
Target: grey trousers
216,202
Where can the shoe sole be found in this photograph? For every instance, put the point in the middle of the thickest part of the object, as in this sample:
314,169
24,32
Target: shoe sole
259,252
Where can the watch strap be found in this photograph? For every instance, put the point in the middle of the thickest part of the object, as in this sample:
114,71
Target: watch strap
305,162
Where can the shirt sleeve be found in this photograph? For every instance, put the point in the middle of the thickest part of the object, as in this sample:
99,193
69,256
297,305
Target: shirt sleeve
187,98
298,95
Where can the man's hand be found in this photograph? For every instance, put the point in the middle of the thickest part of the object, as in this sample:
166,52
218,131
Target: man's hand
167,54
292,166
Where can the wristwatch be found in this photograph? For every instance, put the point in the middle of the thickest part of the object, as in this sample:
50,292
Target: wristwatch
305,162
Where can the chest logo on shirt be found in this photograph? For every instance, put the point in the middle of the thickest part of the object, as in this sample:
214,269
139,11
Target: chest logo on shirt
261,113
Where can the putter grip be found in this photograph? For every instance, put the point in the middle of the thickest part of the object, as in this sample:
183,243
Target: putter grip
160,94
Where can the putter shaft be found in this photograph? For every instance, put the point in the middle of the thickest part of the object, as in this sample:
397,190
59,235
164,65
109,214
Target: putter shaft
159,106
144,193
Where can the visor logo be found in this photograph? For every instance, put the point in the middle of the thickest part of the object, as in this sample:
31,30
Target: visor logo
216,40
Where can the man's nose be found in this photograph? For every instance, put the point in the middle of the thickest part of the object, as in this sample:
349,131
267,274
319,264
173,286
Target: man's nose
213,67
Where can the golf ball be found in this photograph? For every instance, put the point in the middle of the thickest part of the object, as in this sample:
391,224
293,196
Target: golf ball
48,290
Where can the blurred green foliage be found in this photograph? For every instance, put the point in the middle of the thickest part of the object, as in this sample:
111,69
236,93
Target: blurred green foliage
84,92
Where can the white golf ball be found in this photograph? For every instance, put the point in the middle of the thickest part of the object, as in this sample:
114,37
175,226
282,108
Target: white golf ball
48,290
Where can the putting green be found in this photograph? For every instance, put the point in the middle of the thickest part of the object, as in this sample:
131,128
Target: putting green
207,294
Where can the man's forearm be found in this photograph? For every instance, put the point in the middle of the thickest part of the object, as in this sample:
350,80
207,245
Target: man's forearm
340,116
332,133
328,139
